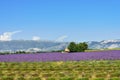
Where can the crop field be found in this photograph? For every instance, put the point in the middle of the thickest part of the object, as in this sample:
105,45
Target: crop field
104,65
57,56
70,70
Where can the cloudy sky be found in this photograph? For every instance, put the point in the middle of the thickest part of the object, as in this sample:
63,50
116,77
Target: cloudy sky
72,20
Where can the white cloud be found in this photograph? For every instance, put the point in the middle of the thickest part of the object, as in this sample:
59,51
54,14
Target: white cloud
36,38
61,39
7,36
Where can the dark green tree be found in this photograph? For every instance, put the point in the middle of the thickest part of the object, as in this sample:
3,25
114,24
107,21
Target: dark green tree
72,47
85,46
80,47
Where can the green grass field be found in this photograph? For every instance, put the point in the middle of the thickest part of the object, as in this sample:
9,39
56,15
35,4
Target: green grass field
72,70
94,50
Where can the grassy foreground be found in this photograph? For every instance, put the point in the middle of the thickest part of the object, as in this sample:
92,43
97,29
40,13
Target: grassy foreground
71,70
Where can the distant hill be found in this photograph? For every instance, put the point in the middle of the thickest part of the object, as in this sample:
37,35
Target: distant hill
37,46
109,44
30,45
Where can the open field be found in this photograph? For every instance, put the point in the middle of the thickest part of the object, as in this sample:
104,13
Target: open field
57,56
70,70
96,50
102,65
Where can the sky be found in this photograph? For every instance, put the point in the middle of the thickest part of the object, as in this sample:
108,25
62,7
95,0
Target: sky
62,20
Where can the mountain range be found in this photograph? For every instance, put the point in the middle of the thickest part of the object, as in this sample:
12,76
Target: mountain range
31,45
109,44
37,46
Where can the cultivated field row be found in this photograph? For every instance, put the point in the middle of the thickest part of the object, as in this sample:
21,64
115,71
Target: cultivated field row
70,70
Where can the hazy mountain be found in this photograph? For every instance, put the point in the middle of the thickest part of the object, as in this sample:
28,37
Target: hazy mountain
104,44
30,45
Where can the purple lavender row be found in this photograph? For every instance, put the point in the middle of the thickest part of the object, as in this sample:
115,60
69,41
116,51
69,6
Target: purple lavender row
104,55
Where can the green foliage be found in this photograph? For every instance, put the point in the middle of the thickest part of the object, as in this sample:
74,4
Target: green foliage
3,53
80,47
19,52
72,47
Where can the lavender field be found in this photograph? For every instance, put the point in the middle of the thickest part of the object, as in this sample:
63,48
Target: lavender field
57,56
104,65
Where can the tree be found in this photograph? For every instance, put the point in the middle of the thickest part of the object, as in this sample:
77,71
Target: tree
85,46
72,47
80,47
